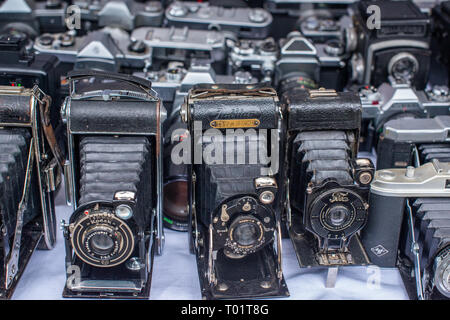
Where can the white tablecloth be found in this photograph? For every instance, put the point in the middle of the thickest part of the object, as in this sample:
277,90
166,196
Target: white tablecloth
175,274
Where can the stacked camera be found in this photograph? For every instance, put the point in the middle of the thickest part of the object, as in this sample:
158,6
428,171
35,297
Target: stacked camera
240,123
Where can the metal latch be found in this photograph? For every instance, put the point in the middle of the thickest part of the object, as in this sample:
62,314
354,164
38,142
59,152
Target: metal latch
322,92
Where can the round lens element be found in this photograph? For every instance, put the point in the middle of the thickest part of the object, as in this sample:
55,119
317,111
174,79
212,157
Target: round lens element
442,272
338,215
124,212
246,234
101,243
403,66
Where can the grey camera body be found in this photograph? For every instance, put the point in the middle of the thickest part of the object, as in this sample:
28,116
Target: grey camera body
32,17
243,22
126,14
108,49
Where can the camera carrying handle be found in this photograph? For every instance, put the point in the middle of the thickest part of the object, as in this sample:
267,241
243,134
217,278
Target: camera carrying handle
140,83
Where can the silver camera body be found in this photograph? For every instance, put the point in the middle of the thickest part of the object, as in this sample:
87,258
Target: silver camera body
108,49
180,44
32,17
388,100
243,22
174,82
258,56
126,14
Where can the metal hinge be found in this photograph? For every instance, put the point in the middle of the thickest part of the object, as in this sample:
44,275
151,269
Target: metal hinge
52,175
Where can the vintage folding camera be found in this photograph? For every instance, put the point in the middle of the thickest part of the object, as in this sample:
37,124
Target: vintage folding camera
244,22
183,44
409,227
398,101
109,49
30,167
399,46
124,14
441,33
304,64
411,142
33,17
113,177
235,203
327,185
255,56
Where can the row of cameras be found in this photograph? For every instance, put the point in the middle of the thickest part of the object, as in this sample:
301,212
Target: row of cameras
327,221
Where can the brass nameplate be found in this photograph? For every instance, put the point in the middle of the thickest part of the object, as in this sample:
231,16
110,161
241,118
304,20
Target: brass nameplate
235,123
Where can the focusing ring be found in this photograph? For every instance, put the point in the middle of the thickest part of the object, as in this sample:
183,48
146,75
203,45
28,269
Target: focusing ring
106,225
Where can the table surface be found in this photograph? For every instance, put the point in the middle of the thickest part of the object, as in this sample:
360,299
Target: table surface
175,274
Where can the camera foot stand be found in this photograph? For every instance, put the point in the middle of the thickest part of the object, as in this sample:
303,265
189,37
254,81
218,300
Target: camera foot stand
332,277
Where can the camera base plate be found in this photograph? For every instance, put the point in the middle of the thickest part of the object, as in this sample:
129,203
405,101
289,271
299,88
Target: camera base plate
30,240
254,276
305,246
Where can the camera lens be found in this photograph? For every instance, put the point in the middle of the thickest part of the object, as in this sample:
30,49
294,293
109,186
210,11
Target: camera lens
176,201
246,234
101,243
337,216
403,66
442,272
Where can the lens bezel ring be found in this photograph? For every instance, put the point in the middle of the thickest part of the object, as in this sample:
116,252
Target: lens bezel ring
400,56
232,213
442,271
246,219
102,221
323,203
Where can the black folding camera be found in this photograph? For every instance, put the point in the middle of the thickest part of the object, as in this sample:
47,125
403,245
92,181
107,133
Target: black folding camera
234,195
409,227
412,142
397,46
29,177
114,181
327,185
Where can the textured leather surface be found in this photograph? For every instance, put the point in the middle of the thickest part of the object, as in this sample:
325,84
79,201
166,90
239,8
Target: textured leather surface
240,103
325,113
88,116
263,109
15,109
